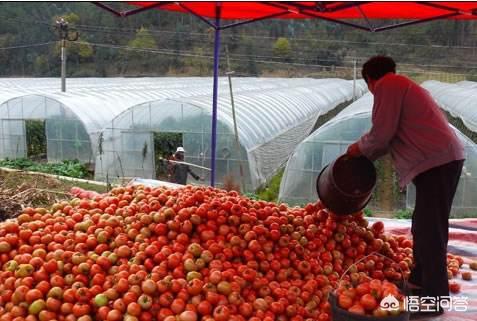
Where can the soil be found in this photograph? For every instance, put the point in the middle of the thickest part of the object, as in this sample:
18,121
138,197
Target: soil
19,190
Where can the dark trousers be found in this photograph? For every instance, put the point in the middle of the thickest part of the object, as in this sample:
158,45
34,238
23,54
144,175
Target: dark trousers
435,190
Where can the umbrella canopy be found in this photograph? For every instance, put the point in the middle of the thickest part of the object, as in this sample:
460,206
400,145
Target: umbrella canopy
329,9
337,11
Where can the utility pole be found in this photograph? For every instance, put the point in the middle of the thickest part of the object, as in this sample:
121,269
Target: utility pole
229,74
354,79
64,34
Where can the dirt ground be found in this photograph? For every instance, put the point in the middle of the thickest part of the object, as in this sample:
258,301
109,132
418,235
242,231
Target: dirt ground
19,190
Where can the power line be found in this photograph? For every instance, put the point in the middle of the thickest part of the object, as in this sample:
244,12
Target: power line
181,53
96,28
403,44
27,46
189,54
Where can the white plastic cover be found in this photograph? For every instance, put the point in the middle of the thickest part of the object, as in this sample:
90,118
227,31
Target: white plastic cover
459,99
74,119
270,121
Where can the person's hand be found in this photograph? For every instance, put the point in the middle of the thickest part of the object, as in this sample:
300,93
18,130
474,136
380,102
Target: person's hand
353,150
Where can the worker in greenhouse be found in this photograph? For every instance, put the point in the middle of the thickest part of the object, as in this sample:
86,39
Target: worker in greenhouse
178,171
408,124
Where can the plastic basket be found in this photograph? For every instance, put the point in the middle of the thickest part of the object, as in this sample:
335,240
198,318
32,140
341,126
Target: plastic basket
339,314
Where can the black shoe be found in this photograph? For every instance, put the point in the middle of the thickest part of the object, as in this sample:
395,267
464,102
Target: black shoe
411,289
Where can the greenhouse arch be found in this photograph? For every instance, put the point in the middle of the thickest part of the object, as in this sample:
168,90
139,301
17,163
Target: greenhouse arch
72,120
298,185
66,135
270,121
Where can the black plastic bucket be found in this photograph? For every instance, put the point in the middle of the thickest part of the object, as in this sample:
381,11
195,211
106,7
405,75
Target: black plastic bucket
345,186
339,314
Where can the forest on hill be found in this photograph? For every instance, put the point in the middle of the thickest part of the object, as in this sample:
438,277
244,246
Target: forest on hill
157,43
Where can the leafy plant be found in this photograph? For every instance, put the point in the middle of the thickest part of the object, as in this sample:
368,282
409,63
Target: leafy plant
36,138
403,214
165,144
367,212
70,168
252,196
270,192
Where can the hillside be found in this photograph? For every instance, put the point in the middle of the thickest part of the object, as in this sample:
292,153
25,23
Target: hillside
156,43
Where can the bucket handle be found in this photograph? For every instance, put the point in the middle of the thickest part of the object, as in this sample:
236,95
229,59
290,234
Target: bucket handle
405,283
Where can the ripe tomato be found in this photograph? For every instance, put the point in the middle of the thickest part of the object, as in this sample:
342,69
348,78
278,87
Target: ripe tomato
368,302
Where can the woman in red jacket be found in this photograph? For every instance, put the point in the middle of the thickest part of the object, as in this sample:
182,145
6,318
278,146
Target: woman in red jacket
408,124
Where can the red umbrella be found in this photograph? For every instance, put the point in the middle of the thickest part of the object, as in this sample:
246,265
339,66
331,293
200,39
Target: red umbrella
357,14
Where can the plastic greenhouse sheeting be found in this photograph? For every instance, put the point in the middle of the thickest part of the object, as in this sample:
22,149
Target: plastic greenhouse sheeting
298,184
270,123
73,119
459,99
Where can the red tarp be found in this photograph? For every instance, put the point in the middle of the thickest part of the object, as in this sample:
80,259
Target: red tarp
333,10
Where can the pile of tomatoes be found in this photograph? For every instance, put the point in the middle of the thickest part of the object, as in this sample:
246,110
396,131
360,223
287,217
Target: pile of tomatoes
195,253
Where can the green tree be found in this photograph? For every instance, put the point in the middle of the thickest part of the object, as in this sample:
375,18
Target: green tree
143,39
282,48
5,41
197,64
41,65
141,59
177,45
72,18
85,50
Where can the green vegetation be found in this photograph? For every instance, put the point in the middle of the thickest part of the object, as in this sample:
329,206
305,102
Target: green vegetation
70,168
367,212
165,145
403,214
86,186
252,196
161,43
282,48
271,190
36,138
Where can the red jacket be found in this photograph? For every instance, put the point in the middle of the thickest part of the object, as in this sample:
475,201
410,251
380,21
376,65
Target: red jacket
407,122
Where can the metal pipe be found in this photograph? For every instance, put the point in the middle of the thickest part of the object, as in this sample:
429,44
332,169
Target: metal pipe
354,80
237,144
63,65
215,91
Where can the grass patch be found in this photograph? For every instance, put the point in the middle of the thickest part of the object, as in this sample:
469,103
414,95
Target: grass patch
367,212
270,191
403,214
69,168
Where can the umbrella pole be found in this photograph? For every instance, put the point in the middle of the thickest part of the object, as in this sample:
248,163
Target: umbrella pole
214,99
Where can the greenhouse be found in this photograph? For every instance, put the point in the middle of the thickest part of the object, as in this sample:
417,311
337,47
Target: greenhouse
298,185
458,99
67,124
270,123
68,121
